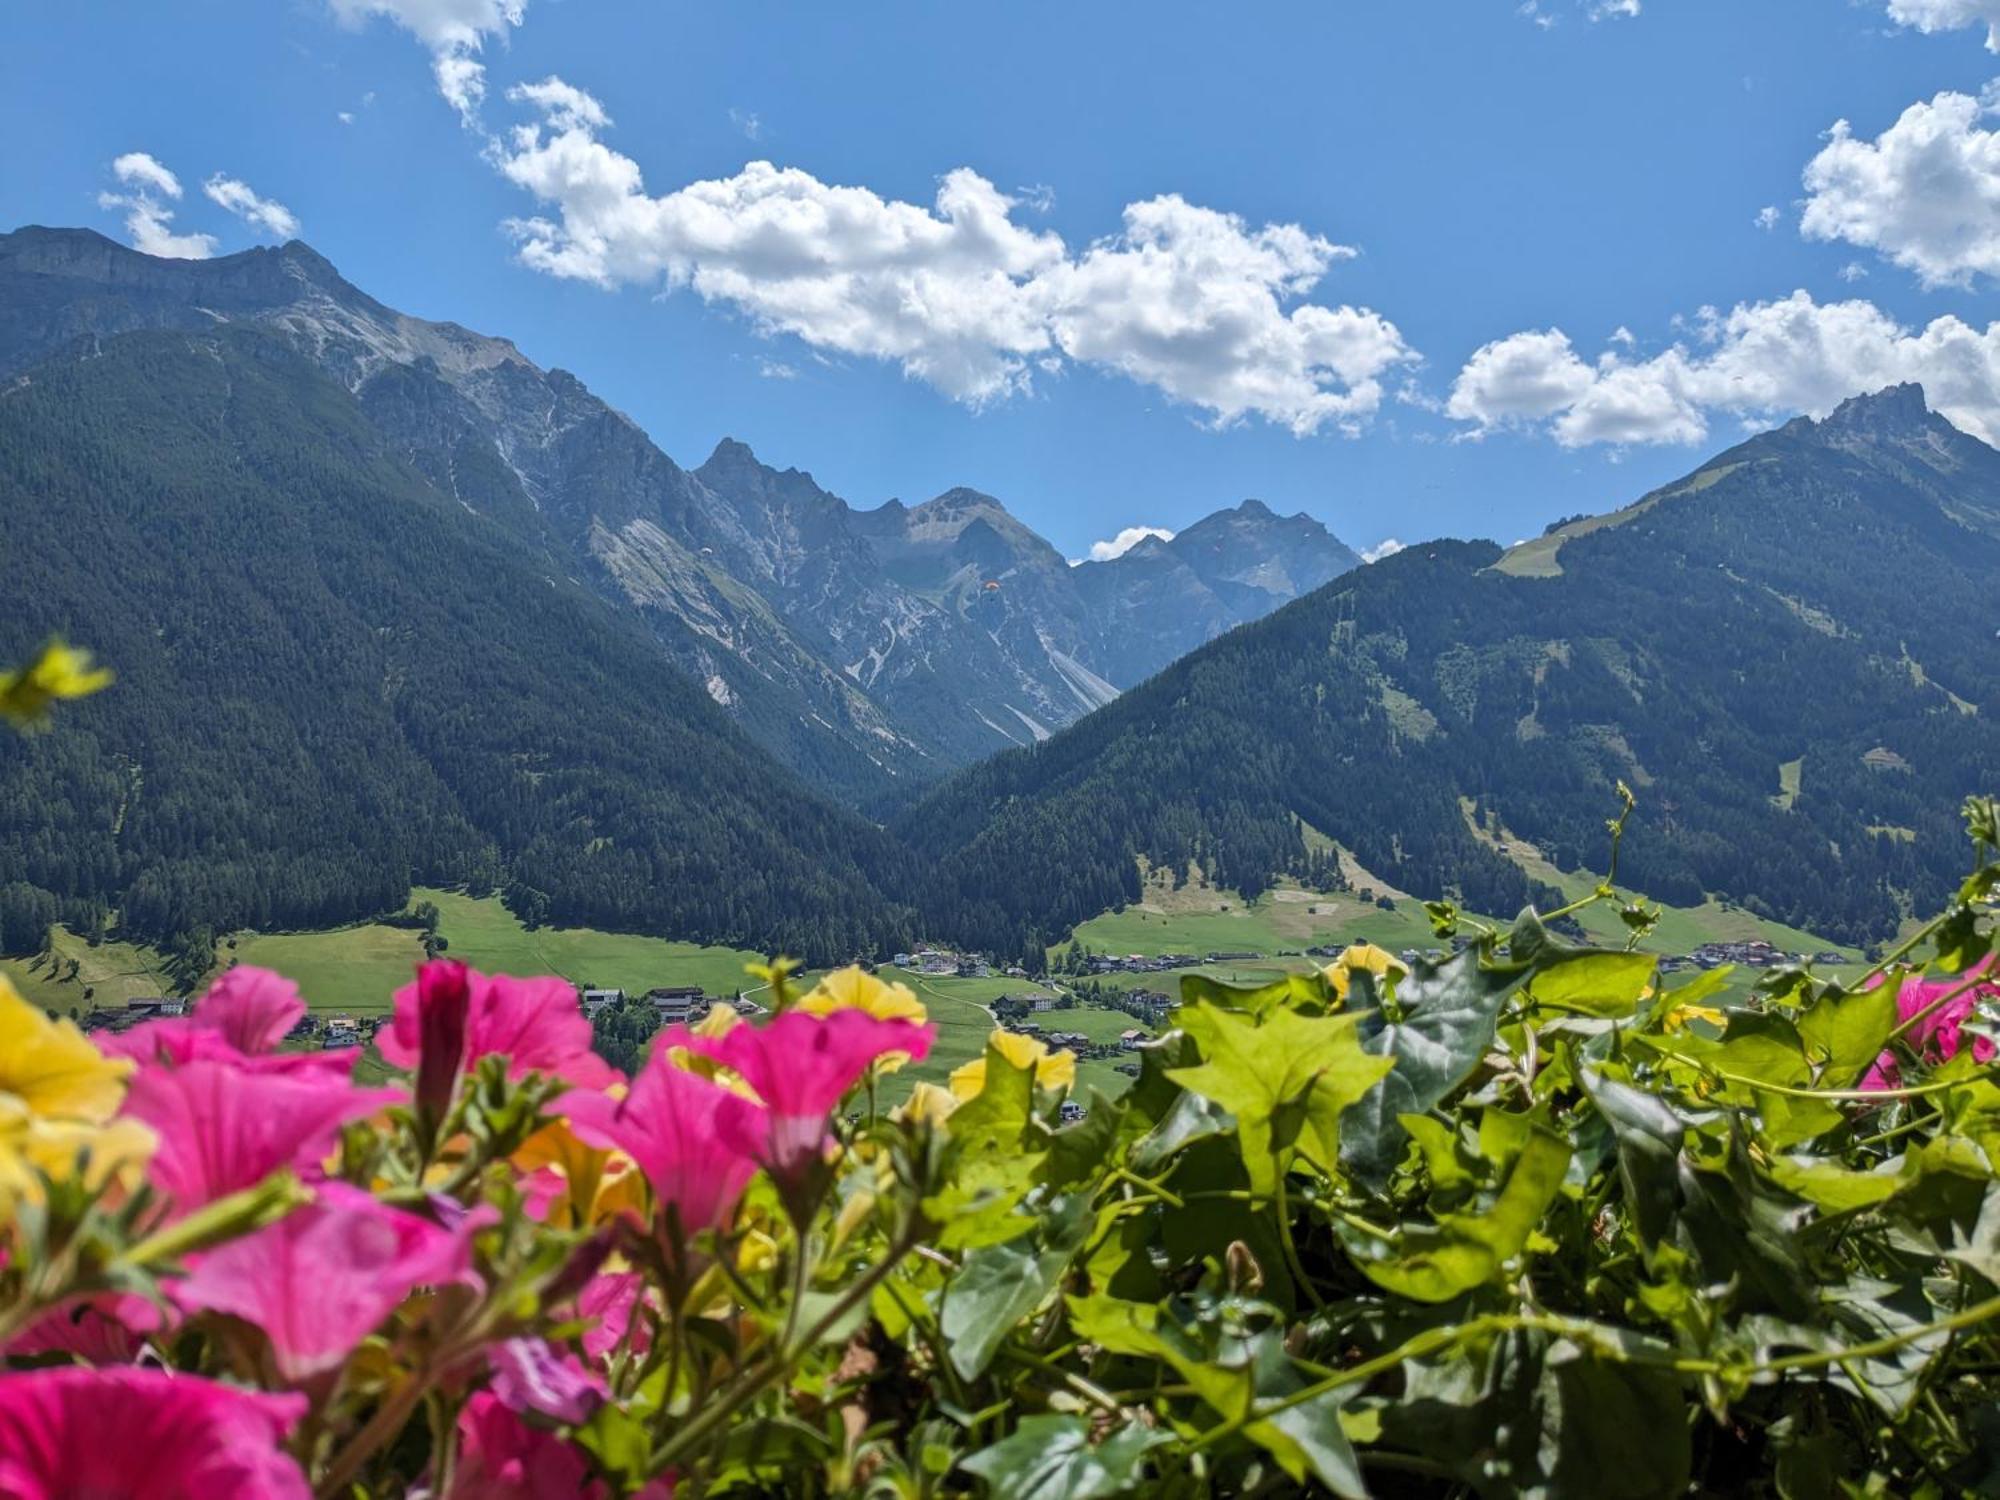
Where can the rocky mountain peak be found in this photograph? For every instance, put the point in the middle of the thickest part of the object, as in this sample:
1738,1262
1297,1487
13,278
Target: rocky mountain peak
1894,410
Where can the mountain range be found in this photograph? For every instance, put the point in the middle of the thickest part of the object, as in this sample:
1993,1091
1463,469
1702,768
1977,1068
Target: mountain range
867,650
389,602
1789,656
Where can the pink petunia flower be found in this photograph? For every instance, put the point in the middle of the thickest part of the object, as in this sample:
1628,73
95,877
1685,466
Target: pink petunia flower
107,1329
801,1066
502,1458
531,1376
222,1130
611,1302
66,1434
253,1008
1939,1035
324,1277
536,1024
246,1013
683,1131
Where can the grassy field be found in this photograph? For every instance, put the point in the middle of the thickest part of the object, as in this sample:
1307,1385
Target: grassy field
957,1008
107,974
356,970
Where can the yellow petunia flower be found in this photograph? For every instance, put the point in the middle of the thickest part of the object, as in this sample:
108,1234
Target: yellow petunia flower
51,1067
597,1185
1362,958
1677,1018
718,1023
854,988
1053,1070
32,1148
929,1102
59,672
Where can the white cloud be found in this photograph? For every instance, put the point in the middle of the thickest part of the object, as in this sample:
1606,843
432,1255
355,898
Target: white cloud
147,218
1767,217
142,173
1520,379
1605,9
1853,271
749,122
1194,302
1758,362
1950,15
776,369
345,116
1387,547
264,213
1124,542
1925,193
455,31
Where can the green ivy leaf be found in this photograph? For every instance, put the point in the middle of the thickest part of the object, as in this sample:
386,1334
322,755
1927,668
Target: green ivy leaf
1445,1018
1310,993
998,1149
1843,1034
1290,1076
1050,1458
1605,985
1649,1137
1435,1263
1000,1285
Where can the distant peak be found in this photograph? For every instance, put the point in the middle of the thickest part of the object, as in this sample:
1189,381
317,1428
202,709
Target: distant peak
1893,408
961,496
1256,509
730,451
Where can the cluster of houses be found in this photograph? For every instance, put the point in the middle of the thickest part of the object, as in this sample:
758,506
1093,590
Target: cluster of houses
1754,953
327,1030
130,1013
945,963
673,1004
1156,963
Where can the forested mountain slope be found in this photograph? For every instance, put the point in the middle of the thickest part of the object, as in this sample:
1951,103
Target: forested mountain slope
336,674
868,651
1790,655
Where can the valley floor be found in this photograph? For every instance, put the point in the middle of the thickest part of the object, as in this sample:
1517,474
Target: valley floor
356,970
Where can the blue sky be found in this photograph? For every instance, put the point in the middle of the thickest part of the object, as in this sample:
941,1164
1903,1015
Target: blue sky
1186,254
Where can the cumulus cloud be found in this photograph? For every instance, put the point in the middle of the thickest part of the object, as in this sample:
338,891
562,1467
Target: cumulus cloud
959,294
1520,379
1950,15
1925,193
1387,547
454,31
149,187
263,213
1767,217
1194,302
1758,362
1123,543
749,122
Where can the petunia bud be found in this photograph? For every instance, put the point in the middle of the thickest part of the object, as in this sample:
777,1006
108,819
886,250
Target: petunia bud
444,997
